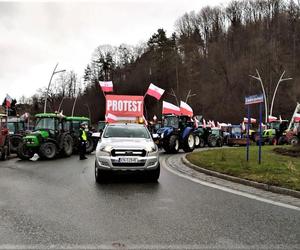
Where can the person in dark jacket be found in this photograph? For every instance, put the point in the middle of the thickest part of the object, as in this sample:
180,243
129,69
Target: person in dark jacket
82,141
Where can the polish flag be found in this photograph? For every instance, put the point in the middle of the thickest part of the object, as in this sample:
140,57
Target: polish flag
8,101
196,122
252,120
218,125
213,124
185,109
106,86
297,117
272,118
155,91
243,126
145,121
110,118
203,123
169,108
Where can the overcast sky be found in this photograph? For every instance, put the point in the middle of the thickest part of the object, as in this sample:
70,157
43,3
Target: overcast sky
34,36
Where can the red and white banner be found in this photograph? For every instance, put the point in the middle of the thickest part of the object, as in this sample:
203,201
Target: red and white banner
155,91
8,101
203,123
185,109
252,120
297,117
272,118
125,105
169,108
110,118
106,86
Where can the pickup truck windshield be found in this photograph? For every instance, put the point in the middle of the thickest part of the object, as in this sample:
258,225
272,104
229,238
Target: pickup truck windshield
126,132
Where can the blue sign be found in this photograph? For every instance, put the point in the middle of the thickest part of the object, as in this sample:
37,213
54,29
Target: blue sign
253,99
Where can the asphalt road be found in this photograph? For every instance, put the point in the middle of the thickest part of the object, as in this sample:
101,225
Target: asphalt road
57,203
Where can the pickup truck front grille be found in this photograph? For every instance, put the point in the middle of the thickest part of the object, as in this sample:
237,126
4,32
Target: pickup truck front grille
127,152
138,164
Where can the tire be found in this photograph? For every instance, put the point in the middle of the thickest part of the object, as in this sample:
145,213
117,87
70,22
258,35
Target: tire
281,140
189,143
66,145
202,143
101,176
3,153
172,145
24,152
294,140
153,175
197,141
15,141
219,143
212,141
89,145
48,150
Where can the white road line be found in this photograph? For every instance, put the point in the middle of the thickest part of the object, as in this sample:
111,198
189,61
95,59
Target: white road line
229,190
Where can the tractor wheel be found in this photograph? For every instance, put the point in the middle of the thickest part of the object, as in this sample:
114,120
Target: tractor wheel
282,140
15,141
89,145
172,145
202,143
24,152
66,145
48,150
212,141
294,140
197,141
189,143
219,142
3,153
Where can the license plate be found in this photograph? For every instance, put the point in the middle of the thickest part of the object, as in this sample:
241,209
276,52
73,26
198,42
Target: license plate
128,160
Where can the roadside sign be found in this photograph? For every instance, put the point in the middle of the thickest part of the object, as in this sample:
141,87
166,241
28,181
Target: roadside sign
254,99
249,100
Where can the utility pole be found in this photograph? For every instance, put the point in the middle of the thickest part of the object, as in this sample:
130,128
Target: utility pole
73,108
53,73
61,102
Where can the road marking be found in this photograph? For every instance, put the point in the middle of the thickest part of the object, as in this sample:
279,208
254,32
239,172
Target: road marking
229,190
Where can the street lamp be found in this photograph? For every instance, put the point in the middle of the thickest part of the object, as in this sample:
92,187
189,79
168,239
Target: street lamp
275,91
258,77
53,73
61,102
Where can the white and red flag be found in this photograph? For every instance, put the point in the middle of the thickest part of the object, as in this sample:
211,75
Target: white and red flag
272,118
203,123
185,109
155,91
297,117
169,108
106,86
252,120
110,118
8,101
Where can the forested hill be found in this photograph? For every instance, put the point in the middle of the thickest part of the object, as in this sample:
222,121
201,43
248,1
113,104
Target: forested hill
211,53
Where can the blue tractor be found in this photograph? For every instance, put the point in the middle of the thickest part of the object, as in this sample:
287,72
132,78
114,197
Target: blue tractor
176,133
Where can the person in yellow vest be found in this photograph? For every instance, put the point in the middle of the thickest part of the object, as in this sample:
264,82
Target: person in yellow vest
82,141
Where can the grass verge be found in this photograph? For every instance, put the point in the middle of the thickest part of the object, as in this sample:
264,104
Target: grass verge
275,169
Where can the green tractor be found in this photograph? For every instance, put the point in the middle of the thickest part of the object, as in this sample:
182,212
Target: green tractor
49,139
73,125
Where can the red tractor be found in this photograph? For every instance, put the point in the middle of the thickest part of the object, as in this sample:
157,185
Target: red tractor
4,138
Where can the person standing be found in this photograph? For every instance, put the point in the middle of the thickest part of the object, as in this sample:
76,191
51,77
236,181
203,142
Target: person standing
82,142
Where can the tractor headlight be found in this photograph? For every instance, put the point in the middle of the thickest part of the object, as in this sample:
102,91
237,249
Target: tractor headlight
162,135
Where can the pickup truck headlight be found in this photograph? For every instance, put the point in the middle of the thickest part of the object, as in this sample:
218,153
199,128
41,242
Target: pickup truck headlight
106,149
151,148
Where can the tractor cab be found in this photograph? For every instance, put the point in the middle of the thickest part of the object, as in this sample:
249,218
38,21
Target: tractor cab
16,125
73,124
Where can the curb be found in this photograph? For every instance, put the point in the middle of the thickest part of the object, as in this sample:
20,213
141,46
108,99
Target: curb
255,184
